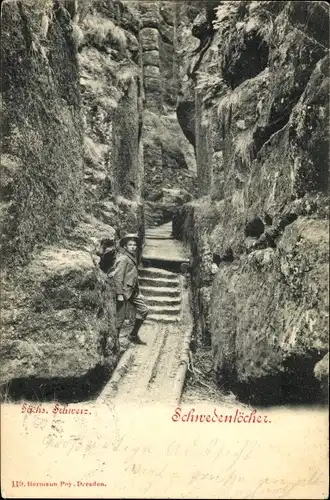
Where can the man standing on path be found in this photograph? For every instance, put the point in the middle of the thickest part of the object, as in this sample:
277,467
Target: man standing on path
125,277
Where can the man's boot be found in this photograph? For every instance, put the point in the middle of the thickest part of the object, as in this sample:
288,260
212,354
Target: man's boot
133,336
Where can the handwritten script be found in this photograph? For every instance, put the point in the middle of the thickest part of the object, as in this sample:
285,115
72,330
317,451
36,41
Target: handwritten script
145,452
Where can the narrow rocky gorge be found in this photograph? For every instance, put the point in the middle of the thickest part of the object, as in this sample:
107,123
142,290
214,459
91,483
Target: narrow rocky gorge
203,127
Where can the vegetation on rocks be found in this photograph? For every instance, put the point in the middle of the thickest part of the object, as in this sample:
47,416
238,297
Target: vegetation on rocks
41,129
61,94
256,92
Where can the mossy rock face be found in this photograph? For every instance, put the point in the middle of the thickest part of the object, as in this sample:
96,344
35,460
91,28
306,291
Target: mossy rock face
321,372
42,127
61,324
58,319
309,142
269,316
112,113
260,136
162,206
169,161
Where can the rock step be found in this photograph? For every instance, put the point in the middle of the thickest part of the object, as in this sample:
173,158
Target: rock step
165,310
156,272
163,301
164,250
161,318
163,228
159,282
159,237
160,291
154,234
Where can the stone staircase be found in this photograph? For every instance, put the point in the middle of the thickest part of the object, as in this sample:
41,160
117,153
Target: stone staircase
162,292
162,288
161,247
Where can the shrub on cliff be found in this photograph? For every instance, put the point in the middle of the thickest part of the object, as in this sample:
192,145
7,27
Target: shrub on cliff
100,31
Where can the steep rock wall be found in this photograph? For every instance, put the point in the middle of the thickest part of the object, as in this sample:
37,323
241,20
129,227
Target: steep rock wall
257,90
42,167
109,59
168,157
71,174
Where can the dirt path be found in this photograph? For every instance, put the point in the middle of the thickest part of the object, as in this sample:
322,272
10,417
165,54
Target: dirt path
152,372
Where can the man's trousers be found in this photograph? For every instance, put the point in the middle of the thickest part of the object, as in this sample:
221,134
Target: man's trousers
139,305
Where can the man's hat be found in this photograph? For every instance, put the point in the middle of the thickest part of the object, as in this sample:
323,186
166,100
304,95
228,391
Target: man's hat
129,236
